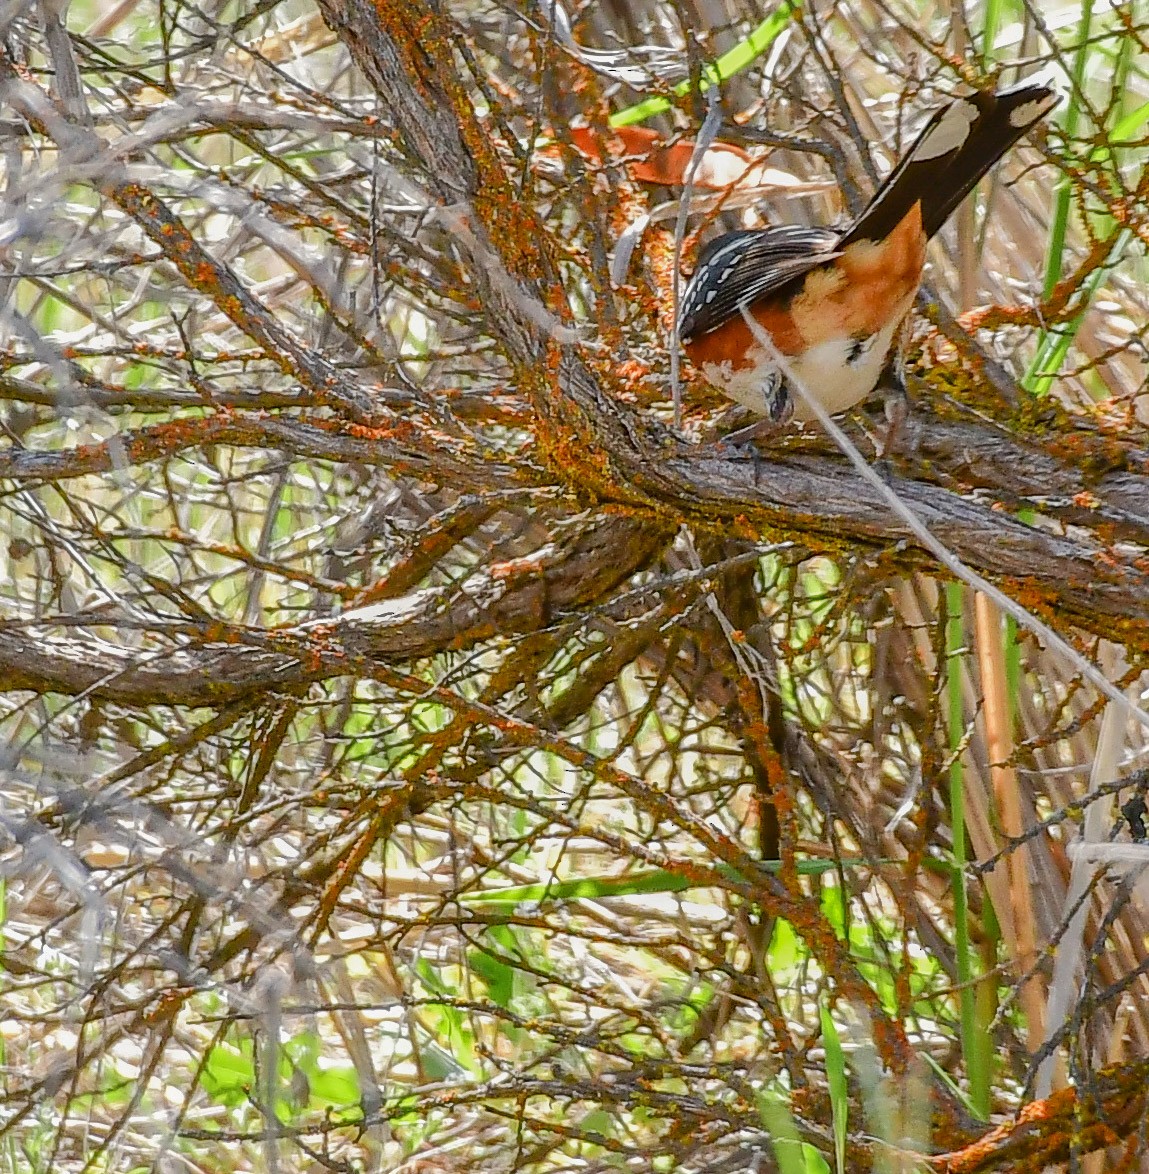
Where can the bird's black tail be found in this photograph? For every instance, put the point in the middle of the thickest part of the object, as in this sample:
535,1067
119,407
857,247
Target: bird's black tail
958,145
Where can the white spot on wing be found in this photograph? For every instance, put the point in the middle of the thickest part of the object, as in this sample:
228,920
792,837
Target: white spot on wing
951,131
737,247
1032,111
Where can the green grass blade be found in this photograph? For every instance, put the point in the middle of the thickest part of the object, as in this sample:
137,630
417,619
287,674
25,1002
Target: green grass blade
1055,253
976,1050
791,1154
659,880
991,24
836,1081
945,1079
1127,127
1053,345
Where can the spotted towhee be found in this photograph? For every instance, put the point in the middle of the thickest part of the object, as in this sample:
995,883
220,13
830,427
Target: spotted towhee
832,301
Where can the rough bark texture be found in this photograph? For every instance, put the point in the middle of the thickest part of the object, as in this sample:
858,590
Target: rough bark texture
381,665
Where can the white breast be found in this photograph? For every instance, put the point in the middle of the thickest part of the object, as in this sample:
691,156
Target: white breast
825,371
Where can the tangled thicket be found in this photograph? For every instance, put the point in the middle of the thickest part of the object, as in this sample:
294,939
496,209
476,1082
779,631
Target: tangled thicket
422,754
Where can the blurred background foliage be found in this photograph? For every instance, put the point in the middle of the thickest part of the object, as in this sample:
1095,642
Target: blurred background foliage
389,786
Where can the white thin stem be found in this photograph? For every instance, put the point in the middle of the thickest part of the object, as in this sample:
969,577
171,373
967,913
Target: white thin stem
935,546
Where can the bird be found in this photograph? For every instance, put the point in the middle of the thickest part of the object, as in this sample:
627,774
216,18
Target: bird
832,301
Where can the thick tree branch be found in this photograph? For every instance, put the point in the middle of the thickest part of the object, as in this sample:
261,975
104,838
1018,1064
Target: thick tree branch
218,665
1070,1123
448,462
1071,577
597,444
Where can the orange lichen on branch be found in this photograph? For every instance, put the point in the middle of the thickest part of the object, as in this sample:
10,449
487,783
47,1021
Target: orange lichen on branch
517,568
1048,1132
419,453
425,41
441,536
411,432
349,866
397,429
198,268
661,263
1093,451
509,410
143,444
810,923
167,1005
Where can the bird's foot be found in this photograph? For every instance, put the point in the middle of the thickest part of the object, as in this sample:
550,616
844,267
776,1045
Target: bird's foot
739,445
742,437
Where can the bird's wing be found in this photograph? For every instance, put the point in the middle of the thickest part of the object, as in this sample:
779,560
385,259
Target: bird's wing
741,267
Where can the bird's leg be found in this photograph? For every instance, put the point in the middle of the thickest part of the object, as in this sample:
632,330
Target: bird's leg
896,403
